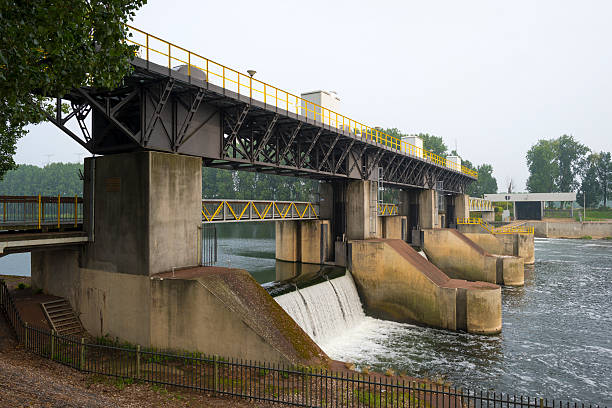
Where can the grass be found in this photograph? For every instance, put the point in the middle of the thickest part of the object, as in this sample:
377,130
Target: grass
586,237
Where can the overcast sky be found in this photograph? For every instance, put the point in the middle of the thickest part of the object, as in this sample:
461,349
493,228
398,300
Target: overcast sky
491,76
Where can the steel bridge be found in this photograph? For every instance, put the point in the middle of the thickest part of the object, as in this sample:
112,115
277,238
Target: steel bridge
178,101
220,210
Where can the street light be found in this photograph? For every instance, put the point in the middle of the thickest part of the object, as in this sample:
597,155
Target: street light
251,72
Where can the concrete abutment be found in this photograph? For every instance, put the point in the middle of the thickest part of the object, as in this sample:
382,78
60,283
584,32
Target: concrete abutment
146,224
460,258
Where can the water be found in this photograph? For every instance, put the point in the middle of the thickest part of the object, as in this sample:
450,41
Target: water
326,310
557,330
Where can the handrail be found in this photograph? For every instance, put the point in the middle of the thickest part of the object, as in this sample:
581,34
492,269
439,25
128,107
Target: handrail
511,229
480,204
387,209
156,50
17,212
255,210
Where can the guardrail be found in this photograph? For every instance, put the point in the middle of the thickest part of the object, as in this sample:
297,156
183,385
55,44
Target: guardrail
278,383
480,204
38,212
161,52
257,210
387,209
509,229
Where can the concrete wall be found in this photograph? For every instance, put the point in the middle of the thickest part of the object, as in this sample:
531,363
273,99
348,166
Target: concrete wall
358,211
147,212
461,258
428,213
571,229
391,227
396,283
225,313
304,241
462,207
521,245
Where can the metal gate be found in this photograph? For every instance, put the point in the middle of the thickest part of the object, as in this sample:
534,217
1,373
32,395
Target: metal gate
208,243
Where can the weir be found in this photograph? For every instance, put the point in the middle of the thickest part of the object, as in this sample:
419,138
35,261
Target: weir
326,309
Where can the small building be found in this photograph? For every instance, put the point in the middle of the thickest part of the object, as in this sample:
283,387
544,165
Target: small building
530,206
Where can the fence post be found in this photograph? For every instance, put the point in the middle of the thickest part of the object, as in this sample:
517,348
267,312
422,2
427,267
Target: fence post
25,335
138,361
216,373
52,344
82,362
75,210
39,211
58,211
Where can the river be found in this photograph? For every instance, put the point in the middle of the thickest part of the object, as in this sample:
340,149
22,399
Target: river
556,340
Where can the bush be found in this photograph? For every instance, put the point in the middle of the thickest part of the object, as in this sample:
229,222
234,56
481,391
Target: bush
21,286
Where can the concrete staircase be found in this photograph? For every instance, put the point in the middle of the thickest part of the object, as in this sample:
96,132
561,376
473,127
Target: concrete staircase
62,318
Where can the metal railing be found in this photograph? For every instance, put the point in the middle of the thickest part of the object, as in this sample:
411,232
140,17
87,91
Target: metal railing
164,53
387,209
508,229
255,381
257,210
37,212
480,204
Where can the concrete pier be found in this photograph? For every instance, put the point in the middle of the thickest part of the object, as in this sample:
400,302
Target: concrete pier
138,279
461,258
396,283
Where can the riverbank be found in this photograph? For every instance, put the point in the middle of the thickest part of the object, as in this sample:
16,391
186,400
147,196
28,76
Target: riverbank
567,228
27,380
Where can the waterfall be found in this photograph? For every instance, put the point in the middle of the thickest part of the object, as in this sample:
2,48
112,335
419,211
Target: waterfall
326,309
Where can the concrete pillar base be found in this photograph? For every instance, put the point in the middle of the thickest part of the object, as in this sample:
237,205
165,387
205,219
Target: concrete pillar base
460,258
303,241
396,283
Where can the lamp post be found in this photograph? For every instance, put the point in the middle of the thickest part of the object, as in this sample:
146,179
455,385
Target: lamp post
251,72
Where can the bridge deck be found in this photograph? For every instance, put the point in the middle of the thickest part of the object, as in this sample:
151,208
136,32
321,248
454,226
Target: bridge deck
236,122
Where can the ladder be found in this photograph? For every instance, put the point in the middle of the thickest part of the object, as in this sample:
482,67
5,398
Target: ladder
61,317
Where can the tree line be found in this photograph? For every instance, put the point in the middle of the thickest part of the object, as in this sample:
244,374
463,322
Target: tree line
564,164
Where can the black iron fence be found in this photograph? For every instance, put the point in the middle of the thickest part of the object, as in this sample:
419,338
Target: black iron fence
296,386
208,237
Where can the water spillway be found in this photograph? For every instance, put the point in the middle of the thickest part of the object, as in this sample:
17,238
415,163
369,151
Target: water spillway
326,309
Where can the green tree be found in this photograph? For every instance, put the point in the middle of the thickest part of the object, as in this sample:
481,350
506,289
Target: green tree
569,156
48,48
543,167
434,144
486,183
604,175
51,180
591,190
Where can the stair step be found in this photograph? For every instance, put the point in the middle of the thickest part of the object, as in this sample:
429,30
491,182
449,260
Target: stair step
62,318
59,315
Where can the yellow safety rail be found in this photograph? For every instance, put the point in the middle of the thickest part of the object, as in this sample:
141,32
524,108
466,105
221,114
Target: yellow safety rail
387,209
255,210
38,212
480,204
161,52
508,229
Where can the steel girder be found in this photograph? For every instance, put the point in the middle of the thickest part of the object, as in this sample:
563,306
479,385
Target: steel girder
163,111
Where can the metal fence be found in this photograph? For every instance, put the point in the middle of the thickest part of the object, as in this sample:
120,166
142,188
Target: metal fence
255,381
502,230
209,245
37,212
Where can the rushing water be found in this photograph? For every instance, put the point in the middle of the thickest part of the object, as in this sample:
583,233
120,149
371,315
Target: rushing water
556,340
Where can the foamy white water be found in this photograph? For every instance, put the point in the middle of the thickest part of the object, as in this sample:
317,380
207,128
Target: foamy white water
325,310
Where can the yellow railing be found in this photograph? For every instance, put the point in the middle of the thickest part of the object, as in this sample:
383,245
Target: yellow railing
510,229
480,204
36,212
252,210
386,209
161,52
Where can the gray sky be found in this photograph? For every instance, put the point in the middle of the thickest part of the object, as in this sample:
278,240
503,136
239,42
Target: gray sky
492,76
